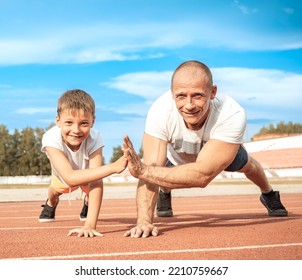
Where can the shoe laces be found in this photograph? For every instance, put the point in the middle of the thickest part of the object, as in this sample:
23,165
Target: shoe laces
275,202
165,201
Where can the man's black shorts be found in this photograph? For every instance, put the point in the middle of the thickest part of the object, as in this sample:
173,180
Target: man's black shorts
239,161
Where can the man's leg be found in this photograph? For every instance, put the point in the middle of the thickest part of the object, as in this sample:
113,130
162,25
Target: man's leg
254,172
164,201
269,198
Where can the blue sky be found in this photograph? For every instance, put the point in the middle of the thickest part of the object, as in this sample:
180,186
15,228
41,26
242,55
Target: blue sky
124,52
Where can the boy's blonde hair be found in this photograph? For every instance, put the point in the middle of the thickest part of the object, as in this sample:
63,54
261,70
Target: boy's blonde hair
76,99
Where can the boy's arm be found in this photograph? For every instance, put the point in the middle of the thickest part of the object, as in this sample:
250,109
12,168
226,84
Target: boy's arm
92,176
95,200
95,192
82,176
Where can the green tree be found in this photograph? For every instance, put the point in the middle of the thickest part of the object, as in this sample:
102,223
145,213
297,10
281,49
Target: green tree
27,153
15,154
281,128
43,167
20,153
5,141
116,154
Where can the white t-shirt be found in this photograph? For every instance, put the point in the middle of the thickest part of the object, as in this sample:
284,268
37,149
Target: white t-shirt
78,159
226,122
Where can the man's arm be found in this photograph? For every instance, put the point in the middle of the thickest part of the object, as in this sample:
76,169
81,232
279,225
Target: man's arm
155,153
214,157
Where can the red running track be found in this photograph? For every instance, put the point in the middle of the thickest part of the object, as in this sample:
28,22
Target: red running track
203,228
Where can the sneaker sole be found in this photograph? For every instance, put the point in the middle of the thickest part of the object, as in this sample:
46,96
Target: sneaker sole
46,220
277,213
82,219
165,214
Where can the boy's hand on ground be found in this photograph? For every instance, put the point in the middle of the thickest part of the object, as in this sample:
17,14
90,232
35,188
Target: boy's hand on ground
84,231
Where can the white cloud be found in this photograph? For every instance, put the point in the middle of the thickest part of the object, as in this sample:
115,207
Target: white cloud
32,110
244,9
23,51
149,85
109,42
4,86
289,10
126,109
82,44
260,87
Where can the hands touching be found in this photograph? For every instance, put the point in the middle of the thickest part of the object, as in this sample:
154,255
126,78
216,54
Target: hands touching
130,159
135,165
136,168
120,164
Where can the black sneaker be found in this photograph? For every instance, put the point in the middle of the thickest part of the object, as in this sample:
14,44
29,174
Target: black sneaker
83,214
48,213
273,204
164,208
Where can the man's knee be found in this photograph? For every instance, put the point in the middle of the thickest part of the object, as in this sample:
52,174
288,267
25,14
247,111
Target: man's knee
252,166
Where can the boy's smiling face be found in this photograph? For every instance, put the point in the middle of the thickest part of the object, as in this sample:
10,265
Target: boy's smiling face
75,127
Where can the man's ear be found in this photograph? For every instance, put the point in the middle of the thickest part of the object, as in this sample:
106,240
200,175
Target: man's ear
214,91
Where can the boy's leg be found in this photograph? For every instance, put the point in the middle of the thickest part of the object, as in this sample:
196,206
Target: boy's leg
55,189
53,197
92,202
49,208
84,211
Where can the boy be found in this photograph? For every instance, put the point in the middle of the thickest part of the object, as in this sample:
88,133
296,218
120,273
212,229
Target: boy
74,149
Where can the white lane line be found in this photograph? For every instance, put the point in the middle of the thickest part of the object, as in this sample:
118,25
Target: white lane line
202,211
67,216
177,213
61,227
122,254
166,224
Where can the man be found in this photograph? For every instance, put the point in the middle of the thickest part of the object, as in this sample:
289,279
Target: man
191,136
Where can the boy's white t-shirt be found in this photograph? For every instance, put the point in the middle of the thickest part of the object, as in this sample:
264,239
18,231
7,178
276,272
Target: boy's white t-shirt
226,122
78,159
